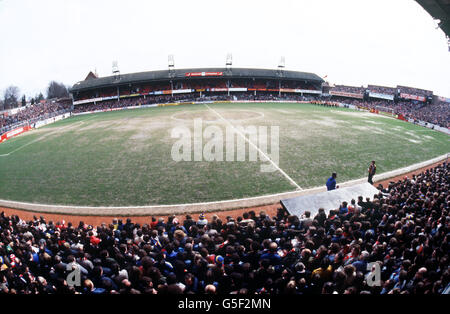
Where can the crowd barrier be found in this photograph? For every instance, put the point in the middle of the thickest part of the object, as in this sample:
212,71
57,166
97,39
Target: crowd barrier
10,134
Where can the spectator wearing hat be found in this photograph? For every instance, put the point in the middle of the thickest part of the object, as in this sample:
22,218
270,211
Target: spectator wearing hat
202,221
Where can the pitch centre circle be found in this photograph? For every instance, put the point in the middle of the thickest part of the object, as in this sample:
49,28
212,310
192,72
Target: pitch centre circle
212,117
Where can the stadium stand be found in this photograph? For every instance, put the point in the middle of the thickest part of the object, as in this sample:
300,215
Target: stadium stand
405,229
382,89
33,113
437,113
414,91
348,89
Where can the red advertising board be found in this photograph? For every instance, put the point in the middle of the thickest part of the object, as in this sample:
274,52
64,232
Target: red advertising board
414,97
196,74
15,132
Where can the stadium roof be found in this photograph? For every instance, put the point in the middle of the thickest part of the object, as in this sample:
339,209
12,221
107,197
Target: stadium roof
178,74
438,9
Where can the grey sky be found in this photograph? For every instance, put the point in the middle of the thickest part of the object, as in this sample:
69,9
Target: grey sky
354,42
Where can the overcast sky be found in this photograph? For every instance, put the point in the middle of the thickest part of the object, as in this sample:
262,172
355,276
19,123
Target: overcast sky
354,42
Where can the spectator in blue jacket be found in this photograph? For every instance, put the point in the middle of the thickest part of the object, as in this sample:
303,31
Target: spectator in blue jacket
272,254
331,183
343,210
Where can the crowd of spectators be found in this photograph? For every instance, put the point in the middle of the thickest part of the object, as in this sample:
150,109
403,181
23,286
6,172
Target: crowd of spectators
414,91
31,114
382,89
437,113
189,97
348,89
404,229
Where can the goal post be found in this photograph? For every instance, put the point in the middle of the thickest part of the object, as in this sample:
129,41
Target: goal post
385,110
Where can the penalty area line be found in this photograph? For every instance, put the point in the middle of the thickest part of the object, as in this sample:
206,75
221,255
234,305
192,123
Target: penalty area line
256,147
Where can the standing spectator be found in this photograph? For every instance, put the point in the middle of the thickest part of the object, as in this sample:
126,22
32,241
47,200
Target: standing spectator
372,170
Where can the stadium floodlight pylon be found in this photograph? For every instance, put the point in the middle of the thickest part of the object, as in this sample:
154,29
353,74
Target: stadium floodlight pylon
115,70
171,64
229,61
281,65
228,65
115,67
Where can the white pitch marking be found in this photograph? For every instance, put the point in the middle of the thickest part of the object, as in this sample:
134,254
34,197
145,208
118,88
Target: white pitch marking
261,115
262,153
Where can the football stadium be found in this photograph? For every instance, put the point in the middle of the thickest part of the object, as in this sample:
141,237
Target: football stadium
226,180
115,148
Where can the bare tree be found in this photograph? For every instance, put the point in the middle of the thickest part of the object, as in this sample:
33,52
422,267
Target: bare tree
56,90
11,97
38,98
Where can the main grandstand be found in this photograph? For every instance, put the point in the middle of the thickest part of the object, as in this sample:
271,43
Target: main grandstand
199,83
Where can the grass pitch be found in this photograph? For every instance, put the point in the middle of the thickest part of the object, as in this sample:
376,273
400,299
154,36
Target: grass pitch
123,158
